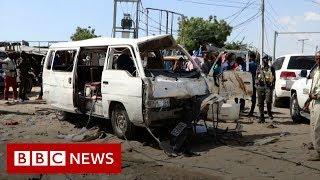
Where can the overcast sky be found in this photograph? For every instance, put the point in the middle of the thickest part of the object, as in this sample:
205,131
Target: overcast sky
57,19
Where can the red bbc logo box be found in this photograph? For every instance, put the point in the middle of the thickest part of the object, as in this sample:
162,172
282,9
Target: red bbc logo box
64,158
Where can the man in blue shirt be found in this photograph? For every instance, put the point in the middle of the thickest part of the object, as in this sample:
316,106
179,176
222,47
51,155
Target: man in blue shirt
253,69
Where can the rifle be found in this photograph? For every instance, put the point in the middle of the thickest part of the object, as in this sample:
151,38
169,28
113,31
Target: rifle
306,104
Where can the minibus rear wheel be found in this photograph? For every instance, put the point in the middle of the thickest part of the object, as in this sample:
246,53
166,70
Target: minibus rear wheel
121,125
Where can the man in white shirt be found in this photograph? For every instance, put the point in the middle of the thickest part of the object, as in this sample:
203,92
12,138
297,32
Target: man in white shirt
315,110
10,77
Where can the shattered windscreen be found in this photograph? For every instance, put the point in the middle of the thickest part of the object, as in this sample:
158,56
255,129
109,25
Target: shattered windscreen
167,61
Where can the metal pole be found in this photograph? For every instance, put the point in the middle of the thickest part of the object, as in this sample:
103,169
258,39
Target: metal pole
167,22
262,31
274,45
147,23
137,20
160,22
114,18
302,46
172,16
317,48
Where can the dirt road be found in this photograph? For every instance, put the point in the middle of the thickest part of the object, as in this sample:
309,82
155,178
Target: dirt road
238,158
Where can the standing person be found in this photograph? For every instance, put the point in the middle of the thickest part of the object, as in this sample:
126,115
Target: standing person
253,69
40,80
265,85
315,110
207,63
10,75
23,66
229,62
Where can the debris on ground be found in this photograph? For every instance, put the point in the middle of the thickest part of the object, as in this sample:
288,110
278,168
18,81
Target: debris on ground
284,134
83,135
44,111
271,126
41,134
12,123
277,151
308,146
267,140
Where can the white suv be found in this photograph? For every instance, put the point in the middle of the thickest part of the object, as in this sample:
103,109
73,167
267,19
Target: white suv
288,70
299,95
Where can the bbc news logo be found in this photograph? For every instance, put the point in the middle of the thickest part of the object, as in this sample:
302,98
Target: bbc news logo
64,158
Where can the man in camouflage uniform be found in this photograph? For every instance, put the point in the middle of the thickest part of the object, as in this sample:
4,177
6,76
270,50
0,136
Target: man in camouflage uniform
265,82
23,67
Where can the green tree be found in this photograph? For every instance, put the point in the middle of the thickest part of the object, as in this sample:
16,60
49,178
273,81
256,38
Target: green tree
83,33
196,31
236,45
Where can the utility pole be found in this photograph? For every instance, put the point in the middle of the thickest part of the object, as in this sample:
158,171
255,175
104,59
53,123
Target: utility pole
167,22
274,45
147,21
302,45
277,33
262,31
317,48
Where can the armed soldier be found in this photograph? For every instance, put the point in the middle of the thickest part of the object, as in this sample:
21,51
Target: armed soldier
265,82
23,66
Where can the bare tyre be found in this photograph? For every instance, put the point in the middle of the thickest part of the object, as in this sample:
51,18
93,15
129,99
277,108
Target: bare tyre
62,115
121,125
295,109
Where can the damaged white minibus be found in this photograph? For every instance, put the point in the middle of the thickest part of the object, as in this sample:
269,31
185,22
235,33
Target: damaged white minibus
126,80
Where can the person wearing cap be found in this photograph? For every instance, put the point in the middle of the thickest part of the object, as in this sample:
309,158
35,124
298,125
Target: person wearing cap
10,75
265,82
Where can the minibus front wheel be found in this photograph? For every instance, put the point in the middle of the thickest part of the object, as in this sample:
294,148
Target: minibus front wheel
121,125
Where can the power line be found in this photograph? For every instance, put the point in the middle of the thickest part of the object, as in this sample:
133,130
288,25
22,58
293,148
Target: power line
276,24
229,1
240,32
315,2
241,10
270,4
209,4
248,20
267,39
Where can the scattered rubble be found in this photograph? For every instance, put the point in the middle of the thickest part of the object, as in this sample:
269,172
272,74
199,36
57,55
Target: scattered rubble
12,123
83,135
271,126
267,140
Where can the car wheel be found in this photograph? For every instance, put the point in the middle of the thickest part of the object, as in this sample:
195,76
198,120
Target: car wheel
122,126
294,108
62,115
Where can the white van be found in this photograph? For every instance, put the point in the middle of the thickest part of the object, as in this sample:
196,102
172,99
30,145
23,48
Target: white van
123,80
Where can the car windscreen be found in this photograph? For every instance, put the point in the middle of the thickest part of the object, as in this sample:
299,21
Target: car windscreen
301,62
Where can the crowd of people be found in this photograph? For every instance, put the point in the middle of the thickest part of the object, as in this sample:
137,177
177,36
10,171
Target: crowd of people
16,67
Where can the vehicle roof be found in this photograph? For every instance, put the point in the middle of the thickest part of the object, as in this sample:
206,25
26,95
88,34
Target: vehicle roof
105,41
288,55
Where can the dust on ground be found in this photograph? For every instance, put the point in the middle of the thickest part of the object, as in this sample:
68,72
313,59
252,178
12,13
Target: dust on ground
265,151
